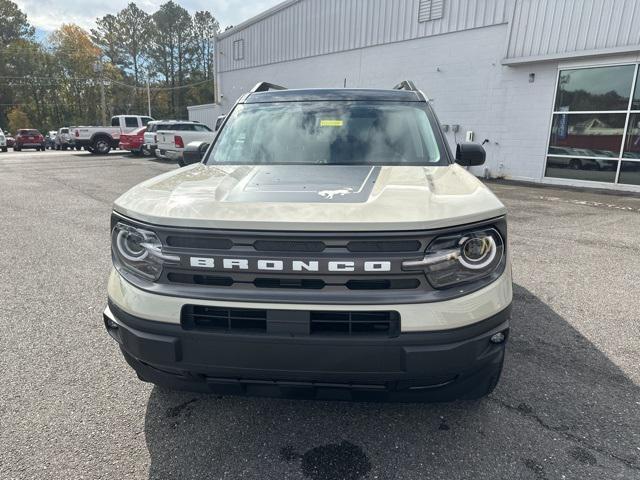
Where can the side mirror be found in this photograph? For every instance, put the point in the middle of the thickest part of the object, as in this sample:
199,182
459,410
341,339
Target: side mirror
194,153
470,154
219,121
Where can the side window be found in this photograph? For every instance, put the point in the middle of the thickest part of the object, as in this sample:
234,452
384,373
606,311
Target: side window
115,122
238,49
146,120
202,128
130,122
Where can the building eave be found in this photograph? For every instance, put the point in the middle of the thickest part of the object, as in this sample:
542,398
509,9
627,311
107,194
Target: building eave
515,61
261,16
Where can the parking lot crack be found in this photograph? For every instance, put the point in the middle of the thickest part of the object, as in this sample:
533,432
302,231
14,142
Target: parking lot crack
526,411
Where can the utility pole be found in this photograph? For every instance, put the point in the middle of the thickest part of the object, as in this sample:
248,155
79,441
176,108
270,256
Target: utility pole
99,68
149,96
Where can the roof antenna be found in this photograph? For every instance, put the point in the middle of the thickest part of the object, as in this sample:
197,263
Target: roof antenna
345,83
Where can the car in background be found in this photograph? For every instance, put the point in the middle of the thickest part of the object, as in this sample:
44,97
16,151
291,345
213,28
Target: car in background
28,138
150,143
3,142
171,142
100,140
133,141
50,139
64,139
10,139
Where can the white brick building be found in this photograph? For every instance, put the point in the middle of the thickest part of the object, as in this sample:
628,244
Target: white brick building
497,68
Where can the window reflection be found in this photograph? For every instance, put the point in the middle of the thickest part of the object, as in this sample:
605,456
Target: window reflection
600,88
587,135
589,169
632,142
630,173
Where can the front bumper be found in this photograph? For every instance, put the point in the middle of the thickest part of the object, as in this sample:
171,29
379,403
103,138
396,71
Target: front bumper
434,366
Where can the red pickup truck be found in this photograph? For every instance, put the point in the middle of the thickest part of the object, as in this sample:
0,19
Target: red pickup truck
28,138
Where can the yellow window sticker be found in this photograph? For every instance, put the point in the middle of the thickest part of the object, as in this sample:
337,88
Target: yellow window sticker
331,123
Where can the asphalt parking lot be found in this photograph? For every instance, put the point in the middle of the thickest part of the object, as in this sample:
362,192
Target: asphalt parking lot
568,406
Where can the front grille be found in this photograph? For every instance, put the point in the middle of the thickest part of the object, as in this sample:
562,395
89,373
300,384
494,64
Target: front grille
316,323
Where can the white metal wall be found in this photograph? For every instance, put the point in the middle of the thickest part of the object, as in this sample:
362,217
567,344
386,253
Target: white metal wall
206,114
317,27
543,28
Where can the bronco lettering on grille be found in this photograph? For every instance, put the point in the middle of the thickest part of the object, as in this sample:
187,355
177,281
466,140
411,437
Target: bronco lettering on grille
270,265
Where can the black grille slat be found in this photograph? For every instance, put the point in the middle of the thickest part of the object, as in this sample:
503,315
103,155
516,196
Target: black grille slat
216,319
384,246
291,282
288,246
204,243
200,279
307,283
383,284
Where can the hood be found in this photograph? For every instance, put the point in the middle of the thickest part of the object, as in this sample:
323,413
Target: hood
312,198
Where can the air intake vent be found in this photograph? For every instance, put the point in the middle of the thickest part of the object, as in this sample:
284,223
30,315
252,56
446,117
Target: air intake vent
196,317
298,322
355,323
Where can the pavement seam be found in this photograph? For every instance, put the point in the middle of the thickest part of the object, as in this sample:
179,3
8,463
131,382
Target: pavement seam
568,435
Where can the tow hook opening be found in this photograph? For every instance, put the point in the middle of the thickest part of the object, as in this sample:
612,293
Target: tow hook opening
112,327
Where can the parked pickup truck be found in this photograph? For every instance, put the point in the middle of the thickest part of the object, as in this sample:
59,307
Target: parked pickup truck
328,244
100,140
150,143
171,142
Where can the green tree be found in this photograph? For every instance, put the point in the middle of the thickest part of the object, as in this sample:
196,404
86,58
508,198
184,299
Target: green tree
107,36
172,50
134,31
205,28
13,23
18,119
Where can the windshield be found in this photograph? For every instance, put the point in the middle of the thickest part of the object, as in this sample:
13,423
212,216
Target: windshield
337,133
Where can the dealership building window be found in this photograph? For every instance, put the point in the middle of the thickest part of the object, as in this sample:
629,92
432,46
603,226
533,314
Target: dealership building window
595,129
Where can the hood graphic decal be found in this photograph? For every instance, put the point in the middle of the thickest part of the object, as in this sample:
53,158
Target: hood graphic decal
306,184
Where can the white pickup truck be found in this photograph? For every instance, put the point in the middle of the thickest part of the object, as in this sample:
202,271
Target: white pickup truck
100,140
171,142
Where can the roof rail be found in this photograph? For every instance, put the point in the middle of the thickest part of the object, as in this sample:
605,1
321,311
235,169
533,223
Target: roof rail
411,87
406,85
265,87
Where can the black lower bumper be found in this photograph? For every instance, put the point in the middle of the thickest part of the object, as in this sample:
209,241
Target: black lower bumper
431,366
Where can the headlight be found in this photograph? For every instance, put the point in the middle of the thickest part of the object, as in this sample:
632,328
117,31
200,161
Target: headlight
139,251
460,258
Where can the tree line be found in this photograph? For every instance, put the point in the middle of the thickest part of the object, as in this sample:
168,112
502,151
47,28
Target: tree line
129,55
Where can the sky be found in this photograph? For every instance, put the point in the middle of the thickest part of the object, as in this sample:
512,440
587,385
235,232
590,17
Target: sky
49,15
